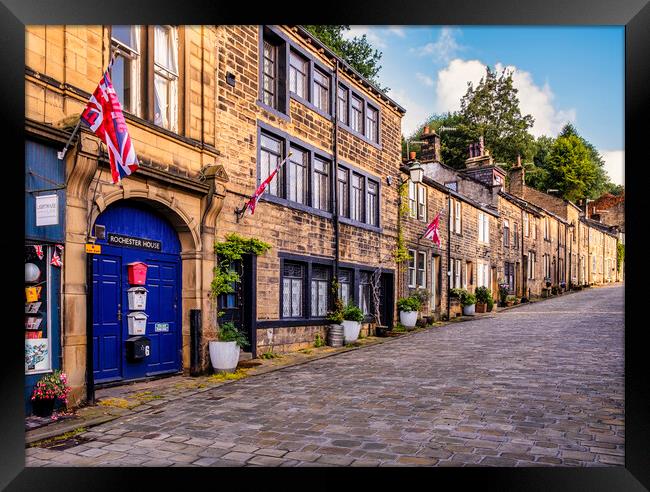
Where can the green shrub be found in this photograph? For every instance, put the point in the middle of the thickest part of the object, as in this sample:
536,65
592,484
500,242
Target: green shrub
228,332
490,304
410,303
456,293
467,299
483,295
351,312
335,317
318,341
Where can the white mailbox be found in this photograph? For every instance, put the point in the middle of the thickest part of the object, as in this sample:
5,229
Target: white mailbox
137,298
137,323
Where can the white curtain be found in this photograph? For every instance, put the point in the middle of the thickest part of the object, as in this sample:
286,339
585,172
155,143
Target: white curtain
166,77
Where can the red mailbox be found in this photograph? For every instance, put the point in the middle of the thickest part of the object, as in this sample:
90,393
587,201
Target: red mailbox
137,273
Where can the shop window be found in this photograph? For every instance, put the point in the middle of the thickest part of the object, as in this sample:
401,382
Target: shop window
38,339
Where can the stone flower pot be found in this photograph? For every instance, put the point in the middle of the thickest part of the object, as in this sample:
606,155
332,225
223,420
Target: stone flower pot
469,310
351,330
224,356
408,318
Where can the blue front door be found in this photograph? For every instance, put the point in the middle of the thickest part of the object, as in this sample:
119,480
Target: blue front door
110,295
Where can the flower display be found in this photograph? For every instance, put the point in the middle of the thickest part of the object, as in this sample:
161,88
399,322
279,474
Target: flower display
52,386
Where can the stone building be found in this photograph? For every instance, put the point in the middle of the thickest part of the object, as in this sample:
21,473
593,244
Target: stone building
211,110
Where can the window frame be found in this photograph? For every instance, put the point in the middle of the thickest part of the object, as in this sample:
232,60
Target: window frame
366,178
421,271
506,233
282,46
421,202
134,56
366,102
303,290
483,227
318,282
374,123
412,270
328,89
173,78
295,54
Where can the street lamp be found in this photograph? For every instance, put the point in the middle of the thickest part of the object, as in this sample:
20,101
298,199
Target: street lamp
416,172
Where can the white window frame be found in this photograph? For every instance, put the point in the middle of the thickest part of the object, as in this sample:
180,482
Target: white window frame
412,270
131,55
170,74
413,199
456,273
458,225
526,225
422,202
483,228
421,254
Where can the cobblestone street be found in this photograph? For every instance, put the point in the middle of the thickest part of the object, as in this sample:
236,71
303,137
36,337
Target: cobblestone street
541,384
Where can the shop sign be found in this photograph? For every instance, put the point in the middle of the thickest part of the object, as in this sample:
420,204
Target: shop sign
161,327
47,210
134,242
93,249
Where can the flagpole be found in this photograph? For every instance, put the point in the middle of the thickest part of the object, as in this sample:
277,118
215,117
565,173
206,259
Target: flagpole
239,212
62,153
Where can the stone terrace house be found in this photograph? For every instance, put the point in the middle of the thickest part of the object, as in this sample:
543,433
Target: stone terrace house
210,110
329,212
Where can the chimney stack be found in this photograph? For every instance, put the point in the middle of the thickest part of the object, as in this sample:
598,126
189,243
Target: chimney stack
412,155
431,149
517,179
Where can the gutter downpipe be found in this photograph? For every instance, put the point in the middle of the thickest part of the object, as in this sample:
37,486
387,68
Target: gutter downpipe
335,201
448,254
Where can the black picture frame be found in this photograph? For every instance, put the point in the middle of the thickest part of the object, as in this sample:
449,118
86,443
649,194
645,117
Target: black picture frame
633,14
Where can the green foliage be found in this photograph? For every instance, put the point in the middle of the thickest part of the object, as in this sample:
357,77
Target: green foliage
351,312
615,189
410,303
453,141
269,354
483,295
570,168
357,52
620,255
490,304
51,387
401,253
422,295
336,315
456,293
228,332
319,341
467,298
399,328
229,251
492,109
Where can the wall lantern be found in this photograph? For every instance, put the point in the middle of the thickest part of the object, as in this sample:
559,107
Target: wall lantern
416,172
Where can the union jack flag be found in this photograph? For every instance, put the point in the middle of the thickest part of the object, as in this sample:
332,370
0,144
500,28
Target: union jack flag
39,251
433,231
103,114
262,187
57,259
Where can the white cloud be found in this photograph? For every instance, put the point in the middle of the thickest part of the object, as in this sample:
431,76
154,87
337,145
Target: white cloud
451,86
538,101
425,79
444,49
416,111
397,31
615,165
373,35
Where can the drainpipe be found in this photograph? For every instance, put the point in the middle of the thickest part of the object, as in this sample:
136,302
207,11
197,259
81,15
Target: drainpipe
335,201
448,253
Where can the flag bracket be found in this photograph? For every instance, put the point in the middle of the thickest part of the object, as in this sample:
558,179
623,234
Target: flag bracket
61,154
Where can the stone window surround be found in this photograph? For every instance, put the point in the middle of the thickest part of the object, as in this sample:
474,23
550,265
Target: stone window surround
309,262
287,45
289,140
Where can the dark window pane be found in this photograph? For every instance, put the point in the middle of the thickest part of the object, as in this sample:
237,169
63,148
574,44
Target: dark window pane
320,196
343,190
297,178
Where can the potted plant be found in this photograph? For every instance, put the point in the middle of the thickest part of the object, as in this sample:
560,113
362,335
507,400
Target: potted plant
482,294
468,301
503,293
548,281
48,389
408,310
455,308
224,352
335,330
352,318
510,300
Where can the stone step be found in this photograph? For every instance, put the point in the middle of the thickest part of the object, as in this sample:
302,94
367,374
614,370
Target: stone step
245,355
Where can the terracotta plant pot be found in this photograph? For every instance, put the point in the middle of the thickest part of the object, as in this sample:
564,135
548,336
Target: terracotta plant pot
480,307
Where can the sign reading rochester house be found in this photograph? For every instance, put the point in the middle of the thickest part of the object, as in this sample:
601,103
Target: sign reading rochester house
47,210
134,242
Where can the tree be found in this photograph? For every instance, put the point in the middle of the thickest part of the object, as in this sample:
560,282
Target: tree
571,168
357,52
492,109
453,141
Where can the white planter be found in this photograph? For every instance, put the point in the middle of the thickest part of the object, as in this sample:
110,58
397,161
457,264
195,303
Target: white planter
469,310
351,330
408,318
224,356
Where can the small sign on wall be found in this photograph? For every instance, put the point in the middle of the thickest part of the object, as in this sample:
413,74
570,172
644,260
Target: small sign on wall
47,210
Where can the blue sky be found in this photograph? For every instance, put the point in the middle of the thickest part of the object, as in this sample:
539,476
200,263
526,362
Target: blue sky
564,74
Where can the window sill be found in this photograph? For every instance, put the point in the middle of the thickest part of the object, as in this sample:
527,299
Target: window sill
292,322
273,111
361,225
310,105
360,135
296,206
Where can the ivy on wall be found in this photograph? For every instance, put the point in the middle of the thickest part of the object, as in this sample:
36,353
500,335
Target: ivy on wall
401,253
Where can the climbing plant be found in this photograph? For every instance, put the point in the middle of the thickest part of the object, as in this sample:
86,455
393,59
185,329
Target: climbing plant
228,251
401,253
620,255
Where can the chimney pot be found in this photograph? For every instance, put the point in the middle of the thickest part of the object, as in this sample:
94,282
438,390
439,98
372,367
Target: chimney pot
518,160
412,155
426,130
